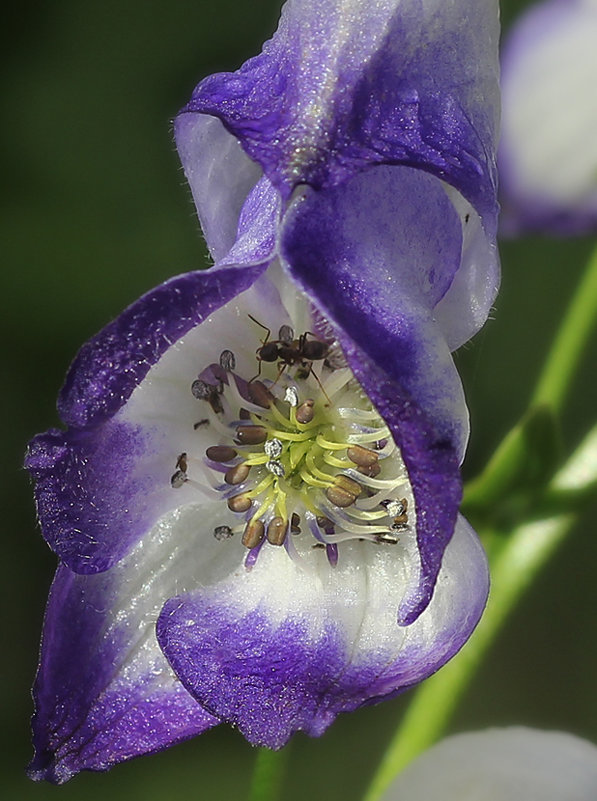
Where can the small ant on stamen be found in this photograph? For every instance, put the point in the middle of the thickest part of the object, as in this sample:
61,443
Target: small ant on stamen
289,352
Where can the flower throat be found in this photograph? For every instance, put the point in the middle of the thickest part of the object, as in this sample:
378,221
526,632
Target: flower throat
300,455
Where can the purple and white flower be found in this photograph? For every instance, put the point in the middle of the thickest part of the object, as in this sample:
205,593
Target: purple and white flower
548,149
255,502
513,764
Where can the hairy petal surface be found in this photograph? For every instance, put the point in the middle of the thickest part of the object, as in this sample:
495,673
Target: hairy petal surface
514,764
104,692
99,485
340,86
282,649
548,149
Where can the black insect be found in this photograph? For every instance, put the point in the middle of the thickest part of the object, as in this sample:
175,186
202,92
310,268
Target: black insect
288,351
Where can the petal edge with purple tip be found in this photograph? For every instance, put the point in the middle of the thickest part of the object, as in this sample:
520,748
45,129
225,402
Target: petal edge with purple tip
103,692
274,654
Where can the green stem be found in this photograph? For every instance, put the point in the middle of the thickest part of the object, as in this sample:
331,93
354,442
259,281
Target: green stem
557,374
268,774
515,562
550,394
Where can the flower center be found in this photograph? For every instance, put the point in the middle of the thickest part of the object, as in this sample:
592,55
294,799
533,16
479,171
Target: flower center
300,453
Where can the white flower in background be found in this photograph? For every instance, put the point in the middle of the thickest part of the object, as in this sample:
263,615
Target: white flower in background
513,764
548,151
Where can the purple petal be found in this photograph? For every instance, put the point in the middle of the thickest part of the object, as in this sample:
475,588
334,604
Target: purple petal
101,484
91,500
548,150
432,464
275,651
220,175
343,85
377,255
104,692
109,367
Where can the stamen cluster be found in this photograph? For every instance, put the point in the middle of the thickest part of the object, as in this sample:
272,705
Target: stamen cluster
303,453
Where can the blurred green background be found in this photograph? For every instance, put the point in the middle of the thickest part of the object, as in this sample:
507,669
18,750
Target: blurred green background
94,212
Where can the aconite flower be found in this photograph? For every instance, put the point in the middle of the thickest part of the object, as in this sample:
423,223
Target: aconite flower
255,501
512,764
548,149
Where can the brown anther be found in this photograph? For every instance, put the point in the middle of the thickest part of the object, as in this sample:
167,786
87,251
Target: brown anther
340,497
237,474
253,534
220,453
371,470
362,456
276,530
348,484
251,435
181,462
401,520
260,394
239,503
244,414
295,523
305,412
324,522
388,539
222,533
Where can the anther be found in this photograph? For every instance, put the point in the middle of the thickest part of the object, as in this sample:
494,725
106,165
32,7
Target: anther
340,497
220,453
275,467
201,389
204,391
348,485
181,462
371,471
244,414
305,412
178,479
362,457
251,435
291,396
388,539
260,394
222,532
273,448
253,534
276,530
227,360
286,334
397,509
239,503
295,523
237,474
